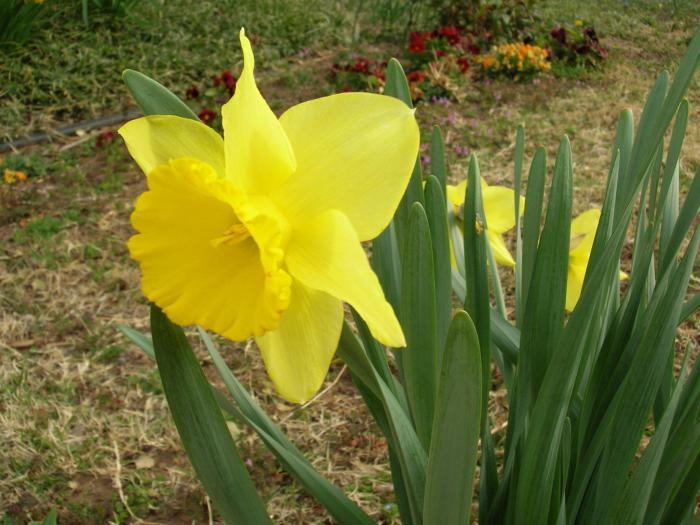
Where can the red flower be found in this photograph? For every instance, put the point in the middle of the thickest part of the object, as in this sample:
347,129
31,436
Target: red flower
104,138
361,65
415,76
440,53
207,116
416,43
379,73
450,33
463,64
192,92
229,81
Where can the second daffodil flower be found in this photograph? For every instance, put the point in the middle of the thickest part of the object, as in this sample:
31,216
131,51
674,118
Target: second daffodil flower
258,233
583,230
499,211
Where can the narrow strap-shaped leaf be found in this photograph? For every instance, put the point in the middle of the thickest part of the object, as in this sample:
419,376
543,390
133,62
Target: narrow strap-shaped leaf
476,278
669,204
419,322
624,421
438,166
634,502
534,196
377,356
146,345
540,450
453,449
386,263
690,307
543,319
681,459
397,86
153,98
503,334
436,210
410,452
376,408
517,190
479,310
653,128
624,140
645,146
201,426
143,341
683,504
686,217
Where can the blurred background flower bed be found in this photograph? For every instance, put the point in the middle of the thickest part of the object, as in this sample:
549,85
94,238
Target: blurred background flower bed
83,420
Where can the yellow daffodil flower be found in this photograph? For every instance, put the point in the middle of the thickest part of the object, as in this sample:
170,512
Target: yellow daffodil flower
499,211
258,233
583,230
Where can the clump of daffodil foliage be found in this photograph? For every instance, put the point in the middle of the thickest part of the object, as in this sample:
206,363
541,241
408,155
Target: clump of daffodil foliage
258,234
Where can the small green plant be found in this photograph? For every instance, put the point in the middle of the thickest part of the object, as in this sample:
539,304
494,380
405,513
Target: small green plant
18,19
32,165
41,228
112,8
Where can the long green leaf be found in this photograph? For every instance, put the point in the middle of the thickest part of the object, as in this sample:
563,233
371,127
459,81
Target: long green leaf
386,263
153,98
478,307
517,190
621,427
438,166
436,210
409,450
634,502
534,197
453,449
419,322
201,426
397,86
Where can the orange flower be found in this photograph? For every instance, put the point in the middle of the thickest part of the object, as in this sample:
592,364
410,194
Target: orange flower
487,62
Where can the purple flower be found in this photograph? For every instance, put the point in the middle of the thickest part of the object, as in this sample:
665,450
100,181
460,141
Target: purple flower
461,151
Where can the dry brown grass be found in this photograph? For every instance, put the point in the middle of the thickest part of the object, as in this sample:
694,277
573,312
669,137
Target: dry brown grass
83,423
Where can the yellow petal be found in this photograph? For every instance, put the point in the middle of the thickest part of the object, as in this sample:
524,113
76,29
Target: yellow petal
456,193
499,208
500,252
574,281
324,253
155,140
258,154
497,201
355,153
298,353
198,261
583,230
586,223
